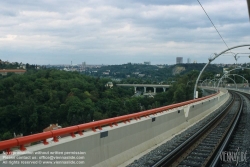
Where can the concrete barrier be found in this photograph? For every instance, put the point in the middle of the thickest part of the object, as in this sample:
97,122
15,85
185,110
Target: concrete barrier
113,146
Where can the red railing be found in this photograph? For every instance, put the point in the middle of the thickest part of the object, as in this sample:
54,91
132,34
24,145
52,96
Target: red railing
21,141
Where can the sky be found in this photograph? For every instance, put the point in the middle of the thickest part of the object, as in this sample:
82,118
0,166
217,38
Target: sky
121,31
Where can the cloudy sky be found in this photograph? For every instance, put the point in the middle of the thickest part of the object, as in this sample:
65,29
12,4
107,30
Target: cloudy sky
121,31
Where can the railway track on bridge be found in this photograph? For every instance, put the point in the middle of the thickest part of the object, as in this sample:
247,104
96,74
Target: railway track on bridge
204,147
237,142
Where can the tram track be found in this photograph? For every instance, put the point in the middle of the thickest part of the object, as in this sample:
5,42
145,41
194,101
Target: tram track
233,152
202,144
159,152
200,148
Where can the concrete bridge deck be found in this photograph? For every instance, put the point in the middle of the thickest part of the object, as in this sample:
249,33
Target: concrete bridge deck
113,141
145,86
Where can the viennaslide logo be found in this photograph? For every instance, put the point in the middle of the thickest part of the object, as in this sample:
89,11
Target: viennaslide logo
234,157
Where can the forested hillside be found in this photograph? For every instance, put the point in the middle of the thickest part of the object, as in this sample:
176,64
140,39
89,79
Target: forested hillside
149,72
31,102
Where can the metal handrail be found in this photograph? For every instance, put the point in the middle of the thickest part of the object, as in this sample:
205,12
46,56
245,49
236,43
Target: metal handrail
21,141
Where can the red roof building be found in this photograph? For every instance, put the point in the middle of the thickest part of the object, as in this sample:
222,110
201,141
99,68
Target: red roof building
16,71
52,127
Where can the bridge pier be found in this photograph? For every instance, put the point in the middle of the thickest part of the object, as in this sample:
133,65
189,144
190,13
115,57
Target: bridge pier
145,86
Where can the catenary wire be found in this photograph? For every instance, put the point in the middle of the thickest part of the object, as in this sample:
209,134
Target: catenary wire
213,24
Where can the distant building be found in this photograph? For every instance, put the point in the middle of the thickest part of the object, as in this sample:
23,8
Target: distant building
179,60
217,75
147,63
141,75
188,60
66,69
109,84
52,127
105,73
160,66
16,71
83,64
225,70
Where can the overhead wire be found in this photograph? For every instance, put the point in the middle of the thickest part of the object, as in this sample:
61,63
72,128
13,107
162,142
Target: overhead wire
213,24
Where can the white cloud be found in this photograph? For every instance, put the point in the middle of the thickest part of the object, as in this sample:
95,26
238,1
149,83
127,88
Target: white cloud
91,30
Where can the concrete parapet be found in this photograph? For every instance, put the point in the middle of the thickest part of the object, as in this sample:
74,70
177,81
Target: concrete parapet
112,146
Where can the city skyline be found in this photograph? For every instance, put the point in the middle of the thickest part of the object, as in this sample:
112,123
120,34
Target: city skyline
117,32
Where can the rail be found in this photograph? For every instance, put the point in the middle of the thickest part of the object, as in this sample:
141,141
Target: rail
22,141
189,150
215,161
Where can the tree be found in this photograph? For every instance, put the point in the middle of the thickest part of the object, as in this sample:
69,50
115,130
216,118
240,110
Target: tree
75,110
180,93
33,121
7,135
